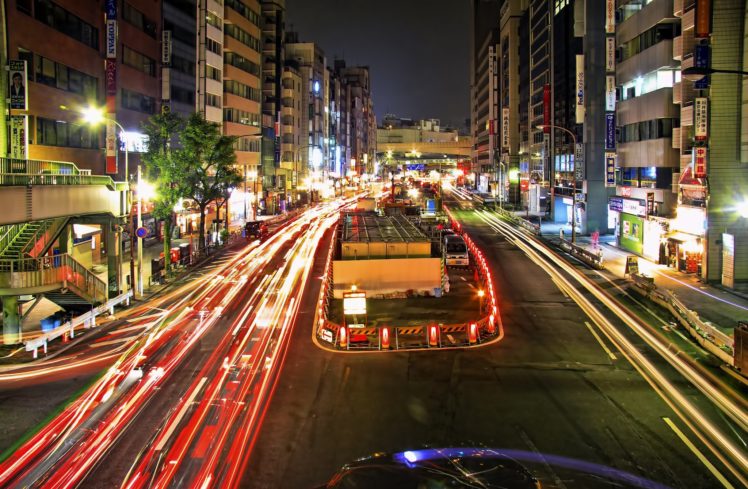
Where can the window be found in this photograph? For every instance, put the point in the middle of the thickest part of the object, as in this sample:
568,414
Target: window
213,73
243,9
648,38
213,100
24,6
247,144
138,102
183,65
242,90
214,20
213,46
242,36
242,63
646,130
60,133
182,95
60,19
138,61
139,20
59,76
241,117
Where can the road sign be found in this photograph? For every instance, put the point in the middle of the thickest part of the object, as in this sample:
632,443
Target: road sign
141,232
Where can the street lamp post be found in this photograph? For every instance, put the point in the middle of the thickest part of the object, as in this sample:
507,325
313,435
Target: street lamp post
694,73
94,116
573,179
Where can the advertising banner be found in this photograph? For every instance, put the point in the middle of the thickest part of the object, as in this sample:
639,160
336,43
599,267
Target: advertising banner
547,108
17,83
579,161
580,90
703,18
166,47
700,118
110,8
610,130
110,75
111,147
610,93
19,129
632,233
610,169
610,53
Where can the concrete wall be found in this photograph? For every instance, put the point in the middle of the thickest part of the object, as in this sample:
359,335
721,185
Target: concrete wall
50,201
386,276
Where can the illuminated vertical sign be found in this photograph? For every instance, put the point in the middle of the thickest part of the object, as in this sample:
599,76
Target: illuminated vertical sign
505,127
111,39
610,169
111,147
610,53
610,16
19,129
579,161
17,84
579,113
547,108
703,21
166,47
700,118
610,93
610,131
699,162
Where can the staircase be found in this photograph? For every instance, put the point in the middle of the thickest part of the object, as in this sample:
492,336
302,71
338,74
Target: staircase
31,239
60,277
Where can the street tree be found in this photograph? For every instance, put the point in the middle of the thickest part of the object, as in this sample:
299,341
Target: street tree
206,166
162,170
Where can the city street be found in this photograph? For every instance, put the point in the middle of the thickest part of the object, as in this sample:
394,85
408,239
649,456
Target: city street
551,387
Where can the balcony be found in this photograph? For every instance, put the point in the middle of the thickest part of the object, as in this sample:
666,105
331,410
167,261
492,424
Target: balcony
688,19
686,115
678,48
653,152
678,93
653,58
678,8
676,138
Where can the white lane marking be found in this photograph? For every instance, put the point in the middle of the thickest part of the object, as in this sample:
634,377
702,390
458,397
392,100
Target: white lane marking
112,342
599,340
716,473
181,414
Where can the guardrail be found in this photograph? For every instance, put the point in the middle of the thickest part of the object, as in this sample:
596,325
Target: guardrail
392,338
592,258
16,171
706,335
88,320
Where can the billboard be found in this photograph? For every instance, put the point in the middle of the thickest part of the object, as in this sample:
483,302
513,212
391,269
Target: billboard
505,127
579,114
699,161
610,130
19,129
17,83
111,147
610,53
700,118
610,169
610,93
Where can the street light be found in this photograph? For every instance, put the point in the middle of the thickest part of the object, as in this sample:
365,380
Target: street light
573,179
94,116
481,293
695,73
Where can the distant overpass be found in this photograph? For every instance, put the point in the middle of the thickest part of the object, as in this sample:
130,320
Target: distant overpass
461,148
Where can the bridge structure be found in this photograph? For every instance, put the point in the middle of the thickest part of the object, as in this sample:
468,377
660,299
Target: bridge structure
436,155
41,201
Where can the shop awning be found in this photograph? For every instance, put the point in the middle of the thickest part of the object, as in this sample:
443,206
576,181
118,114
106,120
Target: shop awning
681,237
687,178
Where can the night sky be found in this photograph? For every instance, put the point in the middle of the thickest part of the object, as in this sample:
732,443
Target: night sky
417,50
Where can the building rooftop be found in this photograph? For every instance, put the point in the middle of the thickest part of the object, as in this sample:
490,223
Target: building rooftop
369,227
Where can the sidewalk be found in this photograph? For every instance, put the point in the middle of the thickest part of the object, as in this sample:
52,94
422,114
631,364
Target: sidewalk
715,305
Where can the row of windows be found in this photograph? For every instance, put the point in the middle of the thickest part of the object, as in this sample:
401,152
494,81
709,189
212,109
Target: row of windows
139,61
213,100
138,102
61,20
243,9
647,39
214,20
242,36
183,65
213,73
180,33
645,130
241,117
247,144
183,95
139,20
71,135
57,75
242,63
242,90
213,46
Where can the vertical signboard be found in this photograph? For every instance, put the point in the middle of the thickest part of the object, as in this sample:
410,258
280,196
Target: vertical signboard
111,39
110,74
547,108
579,161
610,16
703,21
699,161
610,131
610,93
700,118
505,128
579,113
17,83
610,53
166,47
610,169
19,129
111,147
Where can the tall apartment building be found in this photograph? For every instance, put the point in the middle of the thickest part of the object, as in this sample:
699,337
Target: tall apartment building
242,101
312,66
291,130
64,44
179,72
277,172
209,72
363,123
647,120
484,116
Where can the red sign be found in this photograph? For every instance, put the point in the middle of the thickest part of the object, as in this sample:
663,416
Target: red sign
524,185
699,162
703,20
547,108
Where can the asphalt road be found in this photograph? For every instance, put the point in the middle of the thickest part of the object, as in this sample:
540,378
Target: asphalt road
548,388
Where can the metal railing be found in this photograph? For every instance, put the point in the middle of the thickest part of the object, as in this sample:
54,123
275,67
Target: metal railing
33,233
9,234
18,172
29,273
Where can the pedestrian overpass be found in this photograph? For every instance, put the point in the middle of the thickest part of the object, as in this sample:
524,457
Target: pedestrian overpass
40,202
